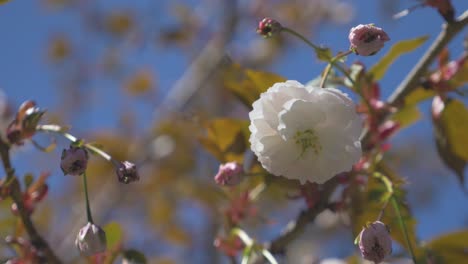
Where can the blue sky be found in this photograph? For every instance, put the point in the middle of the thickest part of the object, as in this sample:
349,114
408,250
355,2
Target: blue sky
26,27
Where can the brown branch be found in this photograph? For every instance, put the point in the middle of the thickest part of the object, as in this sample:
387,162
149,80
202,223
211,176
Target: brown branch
46,254
412,80
410,83
305,217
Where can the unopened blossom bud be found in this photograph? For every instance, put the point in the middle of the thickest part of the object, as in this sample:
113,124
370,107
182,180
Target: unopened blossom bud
91,240
229,174
387,129
268,27
367,39
438,105
127,172
74,161
375,242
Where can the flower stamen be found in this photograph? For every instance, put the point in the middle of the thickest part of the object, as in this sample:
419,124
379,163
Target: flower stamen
307,139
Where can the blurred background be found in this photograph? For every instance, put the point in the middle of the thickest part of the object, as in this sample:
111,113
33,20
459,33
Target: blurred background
141,78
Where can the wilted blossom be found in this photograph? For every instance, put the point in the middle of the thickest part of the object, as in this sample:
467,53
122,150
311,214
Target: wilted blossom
305,132
74,161
91,240
367,39
34,194
25,123
268,27
229,174
375,242
127,172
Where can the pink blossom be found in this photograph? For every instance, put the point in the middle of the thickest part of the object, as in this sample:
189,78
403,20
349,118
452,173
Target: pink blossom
375,242
74,161
367,39
229,174
127,172
268,27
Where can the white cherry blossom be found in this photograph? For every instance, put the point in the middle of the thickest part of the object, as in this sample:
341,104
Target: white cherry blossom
304,132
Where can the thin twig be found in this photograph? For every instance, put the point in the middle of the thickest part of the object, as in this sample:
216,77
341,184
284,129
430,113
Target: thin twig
46,253
411,82
305,217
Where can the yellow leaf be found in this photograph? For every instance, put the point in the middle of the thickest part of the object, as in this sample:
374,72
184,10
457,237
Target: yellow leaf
119,23
114,234
450,248
454,118
398,49
248,84
176,235
140,83
407,116
226,139
59,48
418,95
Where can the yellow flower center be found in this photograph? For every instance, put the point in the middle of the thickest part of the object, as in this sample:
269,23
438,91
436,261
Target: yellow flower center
306,140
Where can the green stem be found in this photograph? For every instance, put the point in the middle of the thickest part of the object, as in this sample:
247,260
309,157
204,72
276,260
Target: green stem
403,227
333,63
344,72
243,236
88,209
62,131
325,75
389,185
296,34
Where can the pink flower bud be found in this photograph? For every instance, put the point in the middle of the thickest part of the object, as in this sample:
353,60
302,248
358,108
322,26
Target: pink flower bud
74,161
367,39
387,129
268,27
91,240
438,106
375,242
229,174
127,172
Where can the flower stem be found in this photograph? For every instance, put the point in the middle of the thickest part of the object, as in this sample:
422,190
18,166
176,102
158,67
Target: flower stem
389,185
403,227
88,209
243,236
63,131
333,63
296,34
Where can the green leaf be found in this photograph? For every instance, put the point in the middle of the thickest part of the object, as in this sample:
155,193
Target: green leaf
4,1
451,129
324,54
398,49
28,180
51,147
407,116
226,139
367,204
461,77
114,234
248,84
134,256
450,248
418,95
455,120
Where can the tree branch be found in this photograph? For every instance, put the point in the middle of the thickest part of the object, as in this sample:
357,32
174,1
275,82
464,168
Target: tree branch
412,80
46,255
297,227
